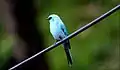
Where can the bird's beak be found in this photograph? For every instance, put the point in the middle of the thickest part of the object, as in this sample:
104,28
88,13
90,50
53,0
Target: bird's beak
49,18
46,18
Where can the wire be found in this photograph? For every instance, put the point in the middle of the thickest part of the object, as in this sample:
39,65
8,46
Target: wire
70,36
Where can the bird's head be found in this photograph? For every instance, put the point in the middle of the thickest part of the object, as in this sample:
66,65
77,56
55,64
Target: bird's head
53,17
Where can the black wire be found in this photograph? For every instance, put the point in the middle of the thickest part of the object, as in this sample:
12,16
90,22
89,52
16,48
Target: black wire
70,36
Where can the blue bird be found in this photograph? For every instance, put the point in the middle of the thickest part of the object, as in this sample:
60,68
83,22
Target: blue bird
58,30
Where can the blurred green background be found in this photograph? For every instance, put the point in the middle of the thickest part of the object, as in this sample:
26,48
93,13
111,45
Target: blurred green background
97,48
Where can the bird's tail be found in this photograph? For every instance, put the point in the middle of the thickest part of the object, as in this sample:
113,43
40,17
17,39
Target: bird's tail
68,53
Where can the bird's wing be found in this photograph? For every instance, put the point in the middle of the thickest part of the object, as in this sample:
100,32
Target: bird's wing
66,33
64,29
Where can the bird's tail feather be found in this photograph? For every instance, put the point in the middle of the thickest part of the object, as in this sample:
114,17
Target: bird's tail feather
68,53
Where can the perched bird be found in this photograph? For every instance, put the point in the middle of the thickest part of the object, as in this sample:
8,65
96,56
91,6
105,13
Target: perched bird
58,30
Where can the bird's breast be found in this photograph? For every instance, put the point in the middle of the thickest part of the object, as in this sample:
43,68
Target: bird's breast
56,31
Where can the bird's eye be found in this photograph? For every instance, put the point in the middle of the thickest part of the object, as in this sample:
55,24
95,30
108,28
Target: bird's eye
49,18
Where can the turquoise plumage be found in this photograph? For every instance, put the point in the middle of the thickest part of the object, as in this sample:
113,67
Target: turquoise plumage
58,31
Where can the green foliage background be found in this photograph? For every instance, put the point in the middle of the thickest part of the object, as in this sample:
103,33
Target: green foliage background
97,48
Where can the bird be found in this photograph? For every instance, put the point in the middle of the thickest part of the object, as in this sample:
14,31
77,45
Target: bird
59,31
